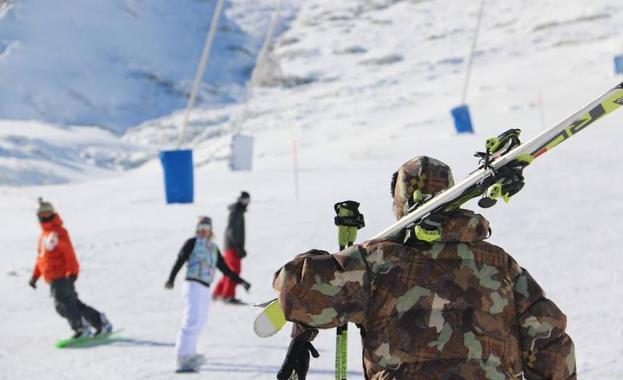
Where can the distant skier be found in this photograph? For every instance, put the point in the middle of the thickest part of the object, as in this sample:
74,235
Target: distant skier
234,249
203,258
433,303
57,263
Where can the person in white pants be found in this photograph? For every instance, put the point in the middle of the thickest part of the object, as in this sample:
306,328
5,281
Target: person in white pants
202,257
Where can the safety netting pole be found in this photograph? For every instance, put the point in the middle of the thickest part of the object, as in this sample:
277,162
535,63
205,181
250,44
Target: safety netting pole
242,145
461,113
178,164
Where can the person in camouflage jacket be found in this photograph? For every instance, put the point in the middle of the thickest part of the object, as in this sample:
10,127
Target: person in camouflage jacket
457,308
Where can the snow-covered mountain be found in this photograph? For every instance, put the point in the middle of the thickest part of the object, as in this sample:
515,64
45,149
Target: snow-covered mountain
112,65
384,67
358,64
118,63
37,153
364,85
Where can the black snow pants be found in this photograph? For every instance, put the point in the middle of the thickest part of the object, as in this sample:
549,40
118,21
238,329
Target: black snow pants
70,307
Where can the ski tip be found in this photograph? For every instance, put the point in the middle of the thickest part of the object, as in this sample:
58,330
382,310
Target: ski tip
269,321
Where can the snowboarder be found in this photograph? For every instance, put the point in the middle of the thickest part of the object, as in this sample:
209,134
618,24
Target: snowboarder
203,258
234,249
57,263
433,303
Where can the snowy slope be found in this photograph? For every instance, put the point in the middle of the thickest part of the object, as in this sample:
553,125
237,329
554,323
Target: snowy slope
387,66
361,114
111,64
117,63
36,153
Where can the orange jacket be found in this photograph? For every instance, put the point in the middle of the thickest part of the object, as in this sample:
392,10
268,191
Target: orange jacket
56,258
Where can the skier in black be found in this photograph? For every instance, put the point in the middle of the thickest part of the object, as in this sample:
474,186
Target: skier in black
234,249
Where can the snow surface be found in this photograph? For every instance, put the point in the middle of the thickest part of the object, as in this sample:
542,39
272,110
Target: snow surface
37,153
380,78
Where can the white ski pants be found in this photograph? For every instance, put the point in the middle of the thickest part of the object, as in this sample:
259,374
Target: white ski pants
197,297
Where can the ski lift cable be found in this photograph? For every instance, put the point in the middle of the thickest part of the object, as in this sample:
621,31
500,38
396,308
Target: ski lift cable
203,63
470,60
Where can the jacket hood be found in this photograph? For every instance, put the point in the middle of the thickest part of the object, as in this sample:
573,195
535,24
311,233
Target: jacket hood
424,174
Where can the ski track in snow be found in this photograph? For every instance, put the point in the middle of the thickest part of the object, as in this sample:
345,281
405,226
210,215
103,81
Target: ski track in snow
362,114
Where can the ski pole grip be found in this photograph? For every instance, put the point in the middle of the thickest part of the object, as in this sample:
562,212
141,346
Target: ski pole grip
348,220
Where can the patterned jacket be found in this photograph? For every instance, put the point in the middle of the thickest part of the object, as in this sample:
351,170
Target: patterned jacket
459,308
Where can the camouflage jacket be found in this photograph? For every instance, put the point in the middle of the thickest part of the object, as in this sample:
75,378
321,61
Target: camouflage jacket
457,309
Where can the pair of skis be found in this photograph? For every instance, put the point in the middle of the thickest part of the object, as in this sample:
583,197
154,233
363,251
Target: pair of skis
497,177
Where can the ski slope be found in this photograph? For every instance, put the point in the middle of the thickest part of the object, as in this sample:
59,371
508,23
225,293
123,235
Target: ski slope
37,153
361,114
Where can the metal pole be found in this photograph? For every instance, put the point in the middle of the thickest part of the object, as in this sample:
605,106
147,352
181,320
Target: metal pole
470,59
261,59
259,63
203,63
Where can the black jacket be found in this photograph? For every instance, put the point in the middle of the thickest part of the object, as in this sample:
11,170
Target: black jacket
234,233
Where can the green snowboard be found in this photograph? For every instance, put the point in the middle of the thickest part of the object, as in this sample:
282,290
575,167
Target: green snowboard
87,341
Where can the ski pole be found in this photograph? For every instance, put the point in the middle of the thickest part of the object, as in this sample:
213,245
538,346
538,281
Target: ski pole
348,221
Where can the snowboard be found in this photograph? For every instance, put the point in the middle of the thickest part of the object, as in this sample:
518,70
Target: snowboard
86,341
270,320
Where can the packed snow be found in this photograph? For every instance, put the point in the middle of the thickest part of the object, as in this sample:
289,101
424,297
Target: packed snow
37,153
365,87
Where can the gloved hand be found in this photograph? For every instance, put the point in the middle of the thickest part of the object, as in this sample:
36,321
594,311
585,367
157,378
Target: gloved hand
72,278
241,253
168,284
245,285
297,360
33,282
348,221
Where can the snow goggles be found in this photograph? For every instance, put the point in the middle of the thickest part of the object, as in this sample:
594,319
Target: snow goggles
45,217
204,227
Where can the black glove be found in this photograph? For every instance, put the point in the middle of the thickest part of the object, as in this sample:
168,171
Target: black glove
168,284
241,253
297,360
72,278
33,282
245,285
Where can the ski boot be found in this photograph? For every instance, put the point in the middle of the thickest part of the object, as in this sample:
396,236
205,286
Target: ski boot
234,301
105,327
82,332
189,363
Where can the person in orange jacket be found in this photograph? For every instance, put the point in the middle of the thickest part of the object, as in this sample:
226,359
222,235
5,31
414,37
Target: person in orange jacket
57,263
